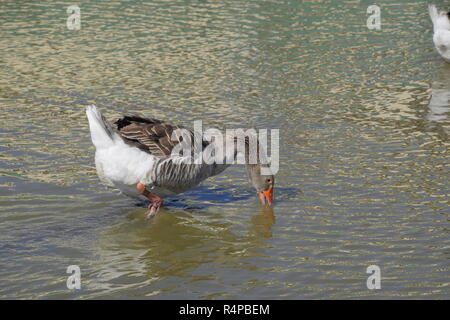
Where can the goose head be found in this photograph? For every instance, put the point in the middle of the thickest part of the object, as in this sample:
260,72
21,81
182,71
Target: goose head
264,184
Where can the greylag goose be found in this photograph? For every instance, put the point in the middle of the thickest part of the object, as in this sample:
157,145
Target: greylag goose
441,31
135,156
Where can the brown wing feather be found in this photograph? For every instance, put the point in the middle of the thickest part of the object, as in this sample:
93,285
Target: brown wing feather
150,135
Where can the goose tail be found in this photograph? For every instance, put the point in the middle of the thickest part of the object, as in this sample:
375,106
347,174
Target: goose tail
434,13
102,134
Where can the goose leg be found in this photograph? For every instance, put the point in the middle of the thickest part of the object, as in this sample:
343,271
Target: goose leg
156,202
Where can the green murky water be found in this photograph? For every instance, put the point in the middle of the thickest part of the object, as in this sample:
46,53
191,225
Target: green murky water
364,122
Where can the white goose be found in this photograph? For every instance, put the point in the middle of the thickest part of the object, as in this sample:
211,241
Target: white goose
441,29
135,156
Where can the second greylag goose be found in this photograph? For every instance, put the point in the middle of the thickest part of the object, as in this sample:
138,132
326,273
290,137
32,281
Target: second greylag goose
135,156
441,31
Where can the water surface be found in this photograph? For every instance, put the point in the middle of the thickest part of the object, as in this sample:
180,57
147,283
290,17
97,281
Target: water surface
364,120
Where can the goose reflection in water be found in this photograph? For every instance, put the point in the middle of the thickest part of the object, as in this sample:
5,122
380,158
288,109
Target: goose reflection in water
439,105
176,247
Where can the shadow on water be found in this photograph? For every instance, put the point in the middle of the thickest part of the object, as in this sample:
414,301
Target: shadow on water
206,196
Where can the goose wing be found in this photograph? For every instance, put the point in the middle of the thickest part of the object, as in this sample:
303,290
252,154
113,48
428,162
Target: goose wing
153,136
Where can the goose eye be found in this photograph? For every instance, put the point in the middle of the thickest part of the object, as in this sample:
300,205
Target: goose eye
268,180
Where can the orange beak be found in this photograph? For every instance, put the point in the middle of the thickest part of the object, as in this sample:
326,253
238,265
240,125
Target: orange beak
266,195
